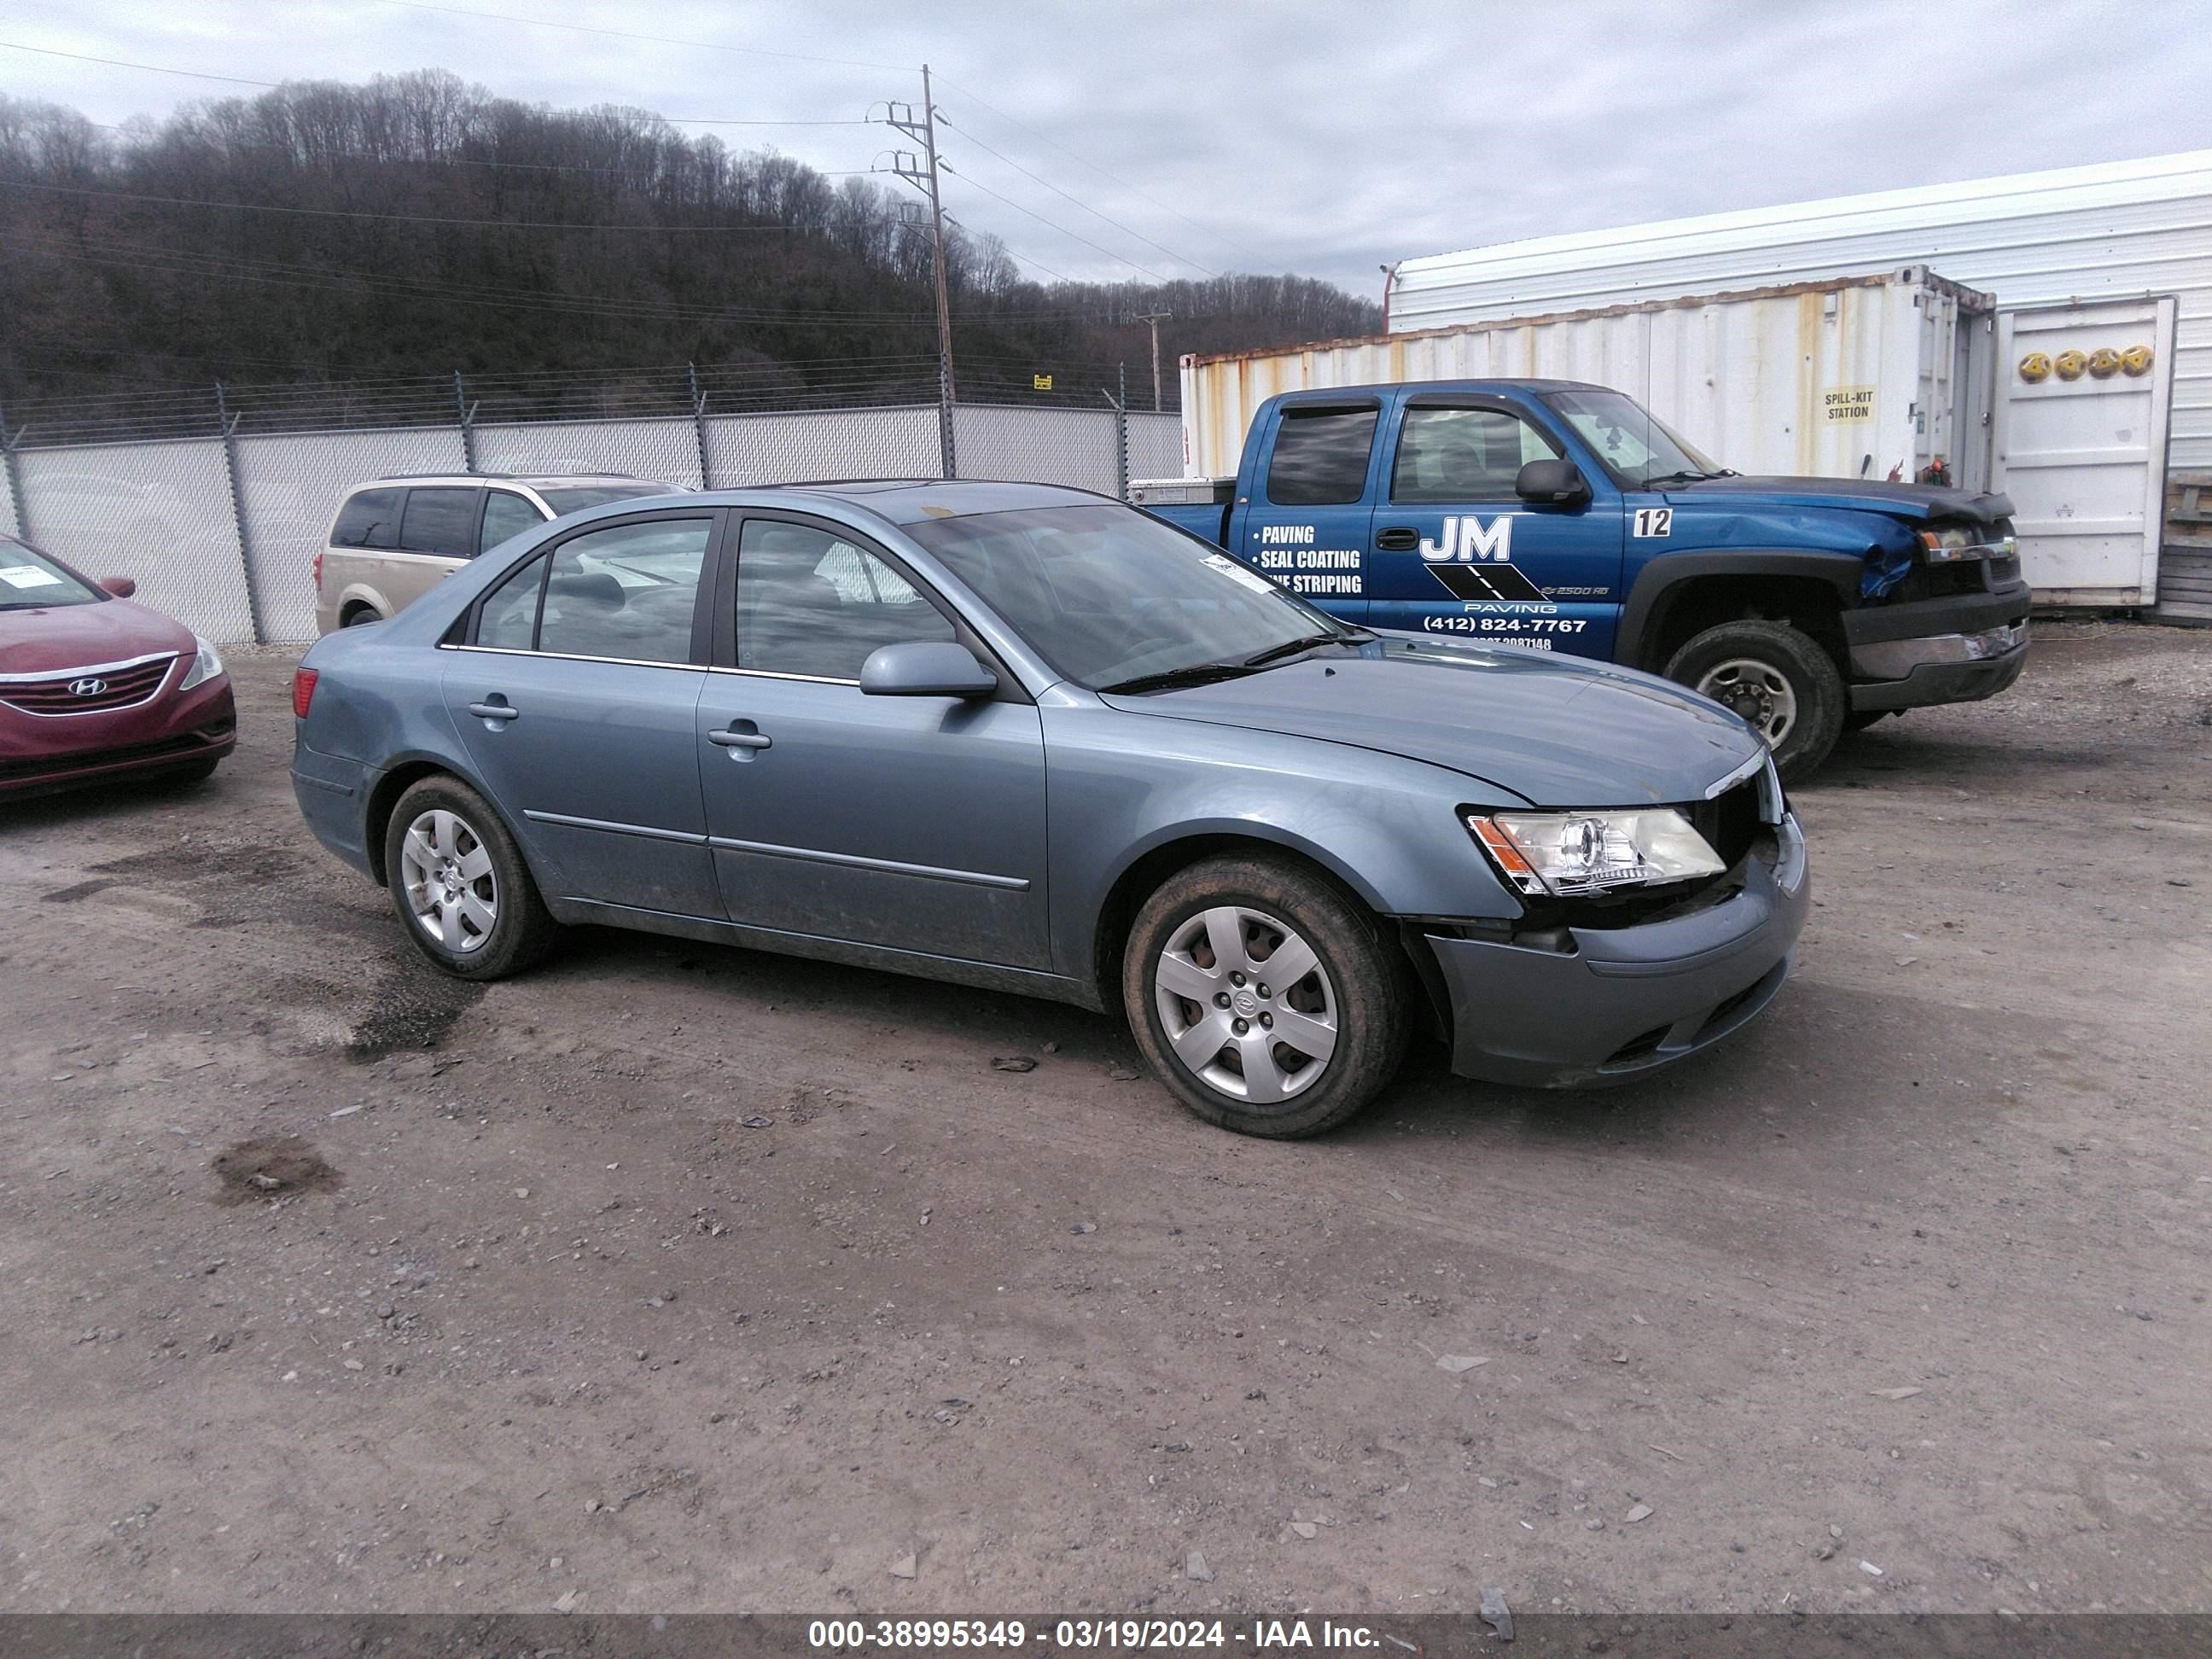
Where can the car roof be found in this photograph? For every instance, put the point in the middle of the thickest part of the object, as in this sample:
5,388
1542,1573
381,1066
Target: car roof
910,500
533,480
1419,388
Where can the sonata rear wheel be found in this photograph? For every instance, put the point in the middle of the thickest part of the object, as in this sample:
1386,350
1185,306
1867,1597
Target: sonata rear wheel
459,883
1268,1001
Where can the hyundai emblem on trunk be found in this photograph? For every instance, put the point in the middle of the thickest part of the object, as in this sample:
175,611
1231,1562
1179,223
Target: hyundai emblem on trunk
90,686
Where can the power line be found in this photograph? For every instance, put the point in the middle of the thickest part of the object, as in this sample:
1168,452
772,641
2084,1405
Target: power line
1062,229
409,218
151,68
1078,202
1073,155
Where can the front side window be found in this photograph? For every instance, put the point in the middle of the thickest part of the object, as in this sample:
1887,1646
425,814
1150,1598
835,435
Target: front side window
628,590
370,518
813,603
29,581
1321,457
440,522
1463,455
1109,596
506,515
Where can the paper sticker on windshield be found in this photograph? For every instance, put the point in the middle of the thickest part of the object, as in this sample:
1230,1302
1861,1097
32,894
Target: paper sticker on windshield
1235,572
1655,521
28,575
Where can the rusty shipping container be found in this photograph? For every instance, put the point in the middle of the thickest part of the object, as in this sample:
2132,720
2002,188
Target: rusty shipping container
1853,377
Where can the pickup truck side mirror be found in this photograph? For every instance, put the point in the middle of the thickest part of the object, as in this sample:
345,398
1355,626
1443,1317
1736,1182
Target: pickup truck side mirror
1552,484
926,668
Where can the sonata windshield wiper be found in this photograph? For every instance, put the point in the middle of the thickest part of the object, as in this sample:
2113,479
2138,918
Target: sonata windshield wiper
1291,647
1197,673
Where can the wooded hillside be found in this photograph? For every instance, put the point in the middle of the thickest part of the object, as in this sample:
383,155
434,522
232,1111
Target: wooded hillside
417,225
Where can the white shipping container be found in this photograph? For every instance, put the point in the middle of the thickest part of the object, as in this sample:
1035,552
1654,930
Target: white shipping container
1854,376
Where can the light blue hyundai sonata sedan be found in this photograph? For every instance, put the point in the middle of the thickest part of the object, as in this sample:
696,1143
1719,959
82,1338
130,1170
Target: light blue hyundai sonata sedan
1029,738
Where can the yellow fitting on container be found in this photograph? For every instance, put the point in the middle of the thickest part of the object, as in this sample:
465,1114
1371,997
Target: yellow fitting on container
2104,363
2070,365
2035,366
2136,360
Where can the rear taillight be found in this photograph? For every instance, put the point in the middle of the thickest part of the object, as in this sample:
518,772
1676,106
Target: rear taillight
319,573
303,690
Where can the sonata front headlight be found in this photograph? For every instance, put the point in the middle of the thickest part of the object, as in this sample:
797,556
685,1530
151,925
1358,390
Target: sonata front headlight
205,666
1567,853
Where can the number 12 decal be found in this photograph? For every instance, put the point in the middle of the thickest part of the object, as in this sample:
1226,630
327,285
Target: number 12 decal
1654,520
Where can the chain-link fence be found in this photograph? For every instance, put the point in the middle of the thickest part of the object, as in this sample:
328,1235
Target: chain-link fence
221,531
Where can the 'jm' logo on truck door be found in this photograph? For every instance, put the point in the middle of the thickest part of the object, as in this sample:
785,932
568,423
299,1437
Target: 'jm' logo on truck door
1467,543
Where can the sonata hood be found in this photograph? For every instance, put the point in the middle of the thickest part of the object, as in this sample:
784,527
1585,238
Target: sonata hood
1556,732
1905,501
49,640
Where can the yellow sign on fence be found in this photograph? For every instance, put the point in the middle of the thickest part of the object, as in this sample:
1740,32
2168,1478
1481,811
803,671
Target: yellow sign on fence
1041,382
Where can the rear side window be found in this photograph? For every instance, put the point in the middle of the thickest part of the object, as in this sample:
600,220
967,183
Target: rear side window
1463,455
509,618
370,518
507,514
1321,457
441,521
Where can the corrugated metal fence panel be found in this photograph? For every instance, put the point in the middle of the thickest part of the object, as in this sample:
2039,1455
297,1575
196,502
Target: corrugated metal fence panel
2122,229
1155,446
1074,446
666,451
291,483
158,512
831,443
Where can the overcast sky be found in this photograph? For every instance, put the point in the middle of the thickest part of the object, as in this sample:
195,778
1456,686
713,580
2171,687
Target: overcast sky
1322,136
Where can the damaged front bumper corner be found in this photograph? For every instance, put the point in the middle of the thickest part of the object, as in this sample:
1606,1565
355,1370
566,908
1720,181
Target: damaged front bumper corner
1627,1001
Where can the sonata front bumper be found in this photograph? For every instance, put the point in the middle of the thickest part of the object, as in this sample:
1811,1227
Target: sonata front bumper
1628,1000
39,754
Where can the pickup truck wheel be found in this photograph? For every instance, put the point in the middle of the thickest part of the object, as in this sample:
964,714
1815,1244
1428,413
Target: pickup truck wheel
1777,678
1266,999
460,886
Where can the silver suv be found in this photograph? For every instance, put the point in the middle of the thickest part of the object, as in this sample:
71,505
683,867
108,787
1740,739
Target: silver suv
396,538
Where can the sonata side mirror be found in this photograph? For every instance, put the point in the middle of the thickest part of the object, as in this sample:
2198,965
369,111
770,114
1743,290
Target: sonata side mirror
926,668
122,587
1552,484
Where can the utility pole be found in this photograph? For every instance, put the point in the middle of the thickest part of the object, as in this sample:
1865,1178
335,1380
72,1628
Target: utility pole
1155,317
924,179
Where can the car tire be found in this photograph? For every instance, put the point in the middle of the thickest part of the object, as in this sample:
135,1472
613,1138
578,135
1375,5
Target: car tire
1778,678
359,616
1355,996
463,893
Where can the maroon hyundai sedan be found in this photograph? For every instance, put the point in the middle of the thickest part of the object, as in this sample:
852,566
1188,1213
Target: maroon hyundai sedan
93,687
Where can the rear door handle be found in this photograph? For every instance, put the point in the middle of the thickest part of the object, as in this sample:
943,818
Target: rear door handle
494,711
728,739
1397,539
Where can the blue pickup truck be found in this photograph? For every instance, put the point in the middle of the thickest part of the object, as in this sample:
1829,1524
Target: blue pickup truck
1564,517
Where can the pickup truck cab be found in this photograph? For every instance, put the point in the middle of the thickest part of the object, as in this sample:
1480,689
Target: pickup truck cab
1564,517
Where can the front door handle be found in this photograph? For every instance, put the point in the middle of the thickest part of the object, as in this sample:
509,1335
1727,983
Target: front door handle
726,738
1399,538
494,711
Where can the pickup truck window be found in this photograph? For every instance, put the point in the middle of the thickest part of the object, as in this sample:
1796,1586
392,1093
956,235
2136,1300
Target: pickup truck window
1633,443
1320,456
1463,454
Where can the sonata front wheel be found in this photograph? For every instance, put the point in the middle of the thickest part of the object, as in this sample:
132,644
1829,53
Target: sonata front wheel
1268,999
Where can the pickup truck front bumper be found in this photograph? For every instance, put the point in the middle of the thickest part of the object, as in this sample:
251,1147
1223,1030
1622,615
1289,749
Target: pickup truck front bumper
1627,1001
1957,649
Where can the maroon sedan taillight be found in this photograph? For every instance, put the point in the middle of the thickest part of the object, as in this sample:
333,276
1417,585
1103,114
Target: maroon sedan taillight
303,690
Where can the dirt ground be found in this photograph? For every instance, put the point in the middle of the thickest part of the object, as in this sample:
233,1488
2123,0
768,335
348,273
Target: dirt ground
674,1278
